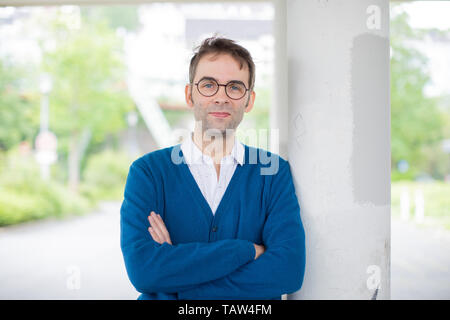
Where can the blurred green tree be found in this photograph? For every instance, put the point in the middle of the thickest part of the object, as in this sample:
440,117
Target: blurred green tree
18,106
416,122
89,99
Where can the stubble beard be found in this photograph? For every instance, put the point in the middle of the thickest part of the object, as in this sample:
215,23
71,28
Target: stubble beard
212,127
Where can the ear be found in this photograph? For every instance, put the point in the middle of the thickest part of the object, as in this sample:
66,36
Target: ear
251,101
188,95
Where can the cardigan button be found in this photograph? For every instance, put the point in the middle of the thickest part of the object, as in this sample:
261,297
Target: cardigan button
214,229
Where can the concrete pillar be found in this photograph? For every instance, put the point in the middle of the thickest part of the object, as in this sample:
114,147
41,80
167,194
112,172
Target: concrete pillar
339,144
279,107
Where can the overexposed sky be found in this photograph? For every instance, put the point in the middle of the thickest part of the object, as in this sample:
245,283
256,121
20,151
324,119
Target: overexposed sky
433,14
429,14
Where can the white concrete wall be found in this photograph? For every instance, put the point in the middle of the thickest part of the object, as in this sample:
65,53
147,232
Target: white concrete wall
339,144
278,109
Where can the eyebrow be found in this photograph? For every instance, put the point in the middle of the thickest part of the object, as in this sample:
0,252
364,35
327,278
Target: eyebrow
211,78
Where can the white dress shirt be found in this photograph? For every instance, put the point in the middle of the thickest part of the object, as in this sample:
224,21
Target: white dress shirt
205,174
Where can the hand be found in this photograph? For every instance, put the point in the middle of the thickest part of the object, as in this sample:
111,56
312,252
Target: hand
158,229
259,250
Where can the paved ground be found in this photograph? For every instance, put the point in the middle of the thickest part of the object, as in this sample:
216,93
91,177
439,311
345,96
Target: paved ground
420,262
80,258
77,258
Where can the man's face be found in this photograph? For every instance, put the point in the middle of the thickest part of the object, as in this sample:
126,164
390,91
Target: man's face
223,68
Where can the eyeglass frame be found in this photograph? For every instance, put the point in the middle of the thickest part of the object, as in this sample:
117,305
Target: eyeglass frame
223,85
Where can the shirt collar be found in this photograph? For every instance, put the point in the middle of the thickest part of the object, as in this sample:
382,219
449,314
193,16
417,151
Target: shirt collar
194,155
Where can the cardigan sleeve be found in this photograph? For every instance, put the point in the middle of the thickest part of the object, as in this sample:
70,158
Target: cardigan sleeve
280,269
153,267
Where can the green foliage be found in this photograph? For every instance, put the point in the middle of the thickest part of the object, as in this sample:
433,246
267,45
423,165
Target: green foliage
89,89
89,94
403,176
417,124
25,196
18,108
437,162
105,175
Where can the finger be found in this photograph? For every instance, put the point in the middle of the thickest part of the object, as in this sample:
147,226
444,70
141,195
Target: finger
153,222
160,227
153,225
152,232
154,236
163,228
156,228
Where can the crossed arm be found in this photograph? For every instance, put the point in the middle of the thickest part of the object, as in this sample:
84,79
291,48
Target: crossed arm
160,234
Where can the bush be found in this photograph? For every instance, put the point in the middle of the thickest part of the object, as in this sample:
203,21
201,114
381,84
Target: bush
105,175
406,176
25,196
15,208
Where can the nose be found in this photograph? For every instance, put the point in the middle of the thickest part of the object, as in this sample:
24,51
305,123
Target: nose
221,96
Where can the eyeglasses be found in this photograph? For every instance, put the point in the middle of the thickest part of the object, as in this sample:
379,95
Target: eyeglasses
209,86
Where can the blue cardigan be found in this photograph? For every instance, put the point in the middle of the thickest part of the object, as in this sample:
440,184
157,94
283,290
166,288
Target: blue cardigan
212,256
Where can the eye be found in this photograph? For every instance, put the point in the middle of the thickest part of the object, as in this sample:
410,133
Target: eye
207,84
236,87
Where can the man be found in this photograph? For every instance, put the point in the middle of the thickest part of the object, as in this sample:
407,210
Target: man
215,225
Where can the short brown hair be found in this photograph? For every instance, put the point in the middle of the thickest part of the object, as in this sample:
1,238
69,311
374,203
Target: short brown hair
216,45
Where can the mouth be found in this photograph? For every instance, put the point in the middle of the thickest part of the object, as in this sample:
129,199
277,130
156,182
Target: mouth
219,114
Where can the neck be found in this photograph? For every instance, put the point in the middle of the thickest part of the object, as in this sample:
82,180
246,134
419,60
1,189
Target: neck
214,146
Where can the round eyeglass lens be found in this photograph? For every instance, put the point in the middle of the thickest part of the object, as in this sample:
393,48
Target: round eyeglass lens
207,87
235,90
